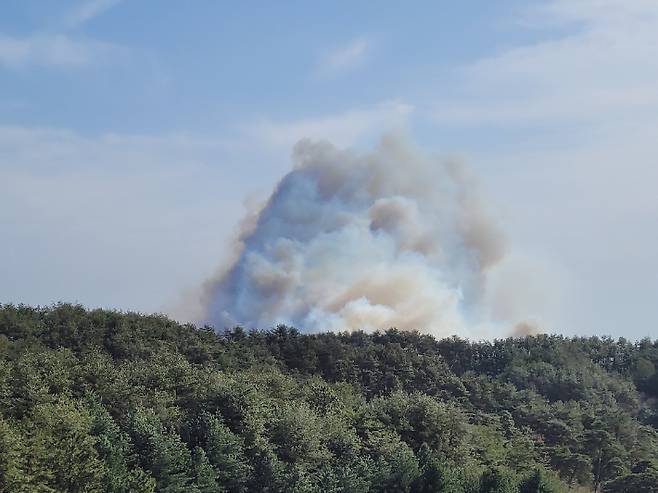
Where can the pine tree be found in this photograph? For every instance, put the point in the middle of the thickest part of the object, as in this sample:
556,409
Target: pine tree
205,475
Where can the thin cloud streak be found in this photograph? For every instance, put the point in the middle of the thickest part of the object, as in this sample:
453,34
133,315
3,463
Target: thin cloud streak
345,57
87,11
343,129
59,51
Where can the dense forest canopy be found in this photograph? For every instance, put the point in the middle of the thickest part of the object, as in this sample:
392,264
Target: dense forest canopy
103,401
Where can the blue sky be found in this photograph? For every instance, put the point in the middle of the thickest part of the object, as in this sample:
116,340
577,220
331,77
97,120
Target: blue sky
146,66
133,133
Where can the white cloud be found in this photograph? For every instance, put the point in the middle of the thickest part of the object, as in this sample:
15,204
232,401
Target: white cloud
59,49
345,57
87,11
607,65
599,11
114,220
51,50
343,129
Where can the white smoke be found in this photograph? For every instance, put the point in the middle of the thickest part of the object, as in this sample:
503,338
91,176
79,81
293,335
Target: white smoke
346,241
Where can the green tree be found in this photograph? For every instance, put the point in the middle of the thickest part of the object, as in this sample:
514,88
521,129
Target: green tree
122,475
10,457
59,451
163,453
226,453
539,481
205,475
497,480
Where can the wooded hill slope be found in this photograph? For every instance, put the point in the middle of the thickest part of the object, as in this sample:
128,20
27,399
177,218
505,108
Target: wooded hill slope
102,401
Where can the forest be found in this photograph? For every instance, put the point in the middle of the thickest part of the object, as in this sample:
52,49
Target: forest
107,401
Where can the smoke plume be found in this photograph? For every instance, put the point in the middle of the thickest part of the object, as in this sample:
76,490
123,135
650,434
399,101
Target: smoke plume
392,238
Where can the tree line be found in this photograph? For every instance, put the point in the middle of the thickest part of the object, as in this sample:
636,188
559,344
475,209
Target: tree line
106,401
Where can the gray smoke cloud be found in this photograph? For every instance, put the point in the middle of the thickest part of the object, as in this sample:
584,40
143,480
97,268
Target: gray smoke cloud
390,238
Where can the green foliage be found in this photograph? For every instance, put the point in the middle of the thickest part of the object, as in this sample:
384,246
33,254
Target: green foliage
540,481
205,475
122,475
162,452
58,450
98,400
225,452
496,480
10,457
